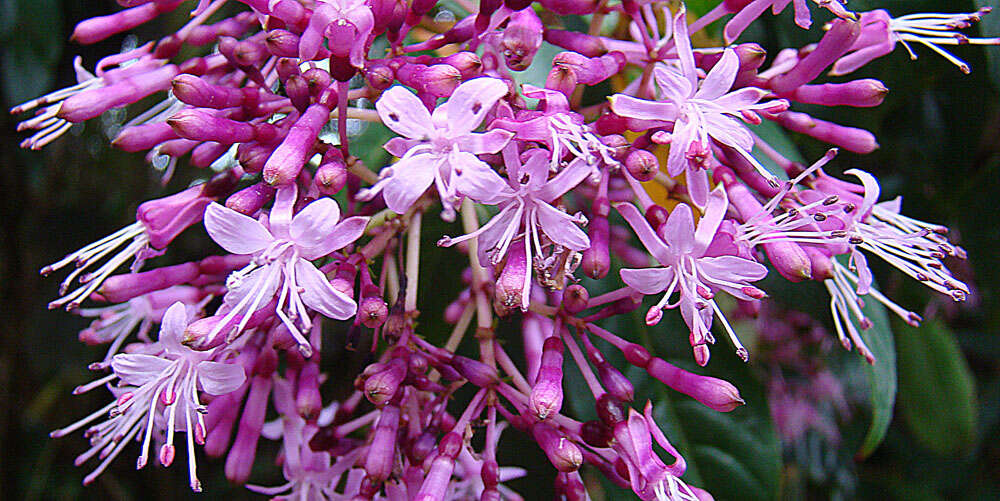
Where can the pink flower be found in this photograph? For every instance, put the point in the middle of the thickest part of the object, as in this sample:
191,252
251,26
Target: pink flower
281,265
525,211
158,386
682,249
435,148
700,111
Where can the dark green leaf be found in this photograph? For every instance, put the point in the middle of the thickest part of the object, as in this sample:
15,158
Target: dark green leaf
936,390
881,375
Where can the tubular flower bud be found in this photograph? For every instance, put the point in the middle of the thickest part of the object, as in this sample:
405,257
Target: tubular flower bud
547,393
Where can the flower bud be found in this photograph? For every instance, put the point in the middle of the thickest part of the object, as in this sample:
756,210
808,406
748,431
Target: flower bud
575,299
570,7
582,43
382,386
373,312
467,63
513,285
596,434
835,43
202,126
849,138
167,217
331,177
716,393
244,449
143,137
642,165
475,372
382,449
562,452
866,92
521,39
95,29
308,402
251,199
290,156
547,393
197,92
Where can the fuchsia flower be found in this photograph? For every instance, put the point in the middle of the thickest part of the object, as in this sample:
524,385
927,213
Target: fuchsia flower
156,387
525,199
347,24
880,32
436,148
282,250
689,269
700,111
752,9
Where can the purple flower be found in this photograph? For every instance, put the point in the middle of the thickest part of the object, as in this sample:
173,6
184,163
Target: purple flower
346,23
650,477
158,386
435,148
687,269
699,111
526,212
880,33
282,251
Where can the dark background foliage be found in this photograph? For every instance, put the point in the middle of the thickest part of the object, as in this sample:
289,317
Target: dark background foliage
939,132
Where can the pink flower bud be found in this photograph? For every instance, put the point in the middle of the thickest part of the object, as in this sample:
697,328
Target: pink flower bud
91,103
382,385
521,39
287,160
373,312
866,92
96,29
167,217
642,165
197,92
251,199
575,298
475,372
562,453
382,449
835,43
547,393
849,138
331,177
582,43
202,126
244,449
716,393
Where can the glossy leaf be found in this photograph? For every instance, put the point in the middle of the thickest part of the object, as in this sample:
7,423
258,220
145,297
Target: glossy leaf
936,391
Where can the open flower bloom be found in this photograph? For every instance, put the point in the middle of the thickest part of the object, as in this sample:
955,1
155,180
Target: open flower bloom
159,392
282,251
436,147
699,112
526,211
688,269
650,477
880,32
346,23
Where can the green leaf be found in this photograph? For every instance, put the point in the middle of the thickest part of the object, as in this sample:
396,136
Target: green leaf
936,390
881,375
31,46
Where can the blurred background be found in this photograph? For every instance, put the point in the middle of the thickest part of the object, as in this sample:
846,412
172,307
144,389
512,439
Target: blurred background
806,431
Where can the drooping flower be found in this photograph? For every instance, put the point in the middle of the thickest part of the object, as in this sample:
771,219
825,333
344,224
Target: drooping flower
282,251
436,147
158,391
526,212
880,32
700,111
682,250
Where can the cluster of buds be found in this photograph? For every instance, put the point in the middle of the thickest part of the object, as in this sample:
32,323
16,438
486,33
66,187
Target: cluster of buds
311,233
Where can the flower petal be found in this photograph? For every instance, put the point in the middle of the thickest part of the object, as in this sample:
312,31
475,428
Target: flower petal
471,101
708,225
648,280
403,112
728,131
646,234
320,295
482,184
683,43
679,229
680,142
631,107
410,179
561,227
217,378
565,180
315,222
346,232
486,142
720,79
673,85
872,190
235,232
137,369
731,269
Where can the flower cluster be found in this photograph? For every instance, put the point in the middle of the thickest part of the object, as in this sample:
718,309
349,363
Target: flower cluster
309,232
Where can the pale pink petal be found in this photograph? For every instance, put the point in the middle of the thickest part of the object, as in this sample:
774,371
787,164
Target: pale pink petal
708,225
482,184
346,232
561,228
398,146
872,189
646,234
403,112
280,217
315,222
679,229
865,278
217,378
252,283
697,186
137,369
683,43
680,142
739,99
731,269
648,280
555,101
235,232
319,295
565,180
673,85
471,101
485,142
630,107
720,79
411,177
728,131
